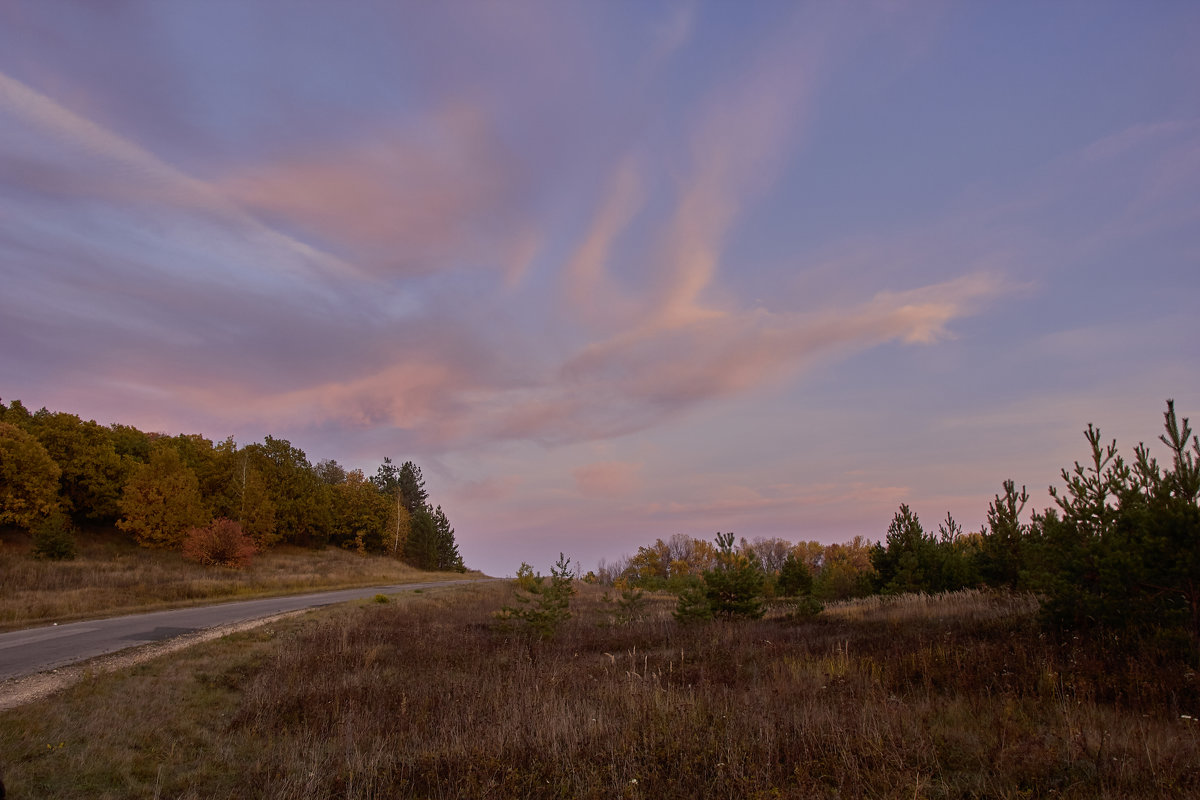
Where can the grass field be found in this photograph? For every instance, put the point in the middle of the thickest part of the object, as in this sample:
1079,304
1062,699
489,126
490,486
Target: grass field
112,575
953,697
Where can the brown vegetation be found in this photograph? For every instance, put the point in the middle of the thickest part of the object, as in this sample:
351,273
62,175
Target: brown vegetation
221,543
112,575
959,696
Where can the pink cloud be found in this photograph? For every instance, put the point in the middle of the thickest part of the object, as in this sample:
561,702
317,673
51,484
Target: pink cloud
640,378
607,479
589,287
490,491
411,200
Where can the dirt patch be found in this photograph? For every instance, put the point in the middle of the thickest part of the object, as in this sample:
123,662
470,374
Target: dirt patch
27,688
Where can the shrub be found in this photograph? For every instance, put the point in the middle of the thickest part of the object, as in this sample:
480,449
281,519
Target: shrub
693,605
801,607
541,607
222,543
735,586
795,578
54,538
1122,551
629,607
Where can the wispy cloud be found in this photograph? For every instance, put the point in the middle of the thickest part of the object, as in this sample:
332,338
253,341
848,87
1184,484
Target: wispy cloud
636,381
358,339
607,478
403,202
587,275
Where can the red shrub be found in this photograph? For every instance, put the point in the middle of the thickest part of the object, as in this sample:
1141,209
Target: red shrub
222,543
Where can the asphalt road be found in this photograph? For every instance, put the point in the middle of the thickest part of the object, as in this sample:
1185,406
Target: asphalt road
38,649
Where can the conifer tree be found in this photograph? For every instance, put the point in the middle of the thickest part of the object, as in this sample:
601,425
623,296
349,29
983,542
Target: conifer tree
902,561
734,586
412,486
448,557
421,549
1001,554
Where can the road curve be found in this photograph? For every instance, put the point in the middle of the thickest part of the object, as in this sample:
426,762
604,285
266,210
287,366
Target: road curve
33,650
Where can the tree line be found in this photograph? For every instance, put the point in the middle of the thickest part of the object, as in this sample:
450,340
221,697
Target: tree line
1117,552
58,471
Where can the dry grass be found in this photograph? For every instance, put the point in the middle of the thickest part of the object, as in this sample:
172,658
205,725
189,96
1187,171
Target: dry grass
114,576
421,698
966,605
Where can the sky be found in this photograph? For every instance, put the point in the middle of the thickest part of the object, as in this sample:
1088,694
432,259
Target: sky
612,271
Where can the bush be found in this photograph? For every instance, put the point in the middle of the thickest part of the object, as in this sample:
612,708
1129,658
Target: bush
541,607
222,543
693,605
801,607
1122,551
735,586
629,607
54,538
795,578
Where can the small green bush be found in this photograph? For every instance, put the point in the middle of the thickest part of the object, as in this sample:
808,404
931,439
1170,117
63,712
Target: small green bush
54,538
795,578
541,607
801,607
735,586
693,605
629,607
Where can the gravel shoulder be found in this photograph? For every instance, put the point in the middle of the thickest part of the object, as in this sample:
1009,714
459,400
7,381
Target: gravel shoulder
28,688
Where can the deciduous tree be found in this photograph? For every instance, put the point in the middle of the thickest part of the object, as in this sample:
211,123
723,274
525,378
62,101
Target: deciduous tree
300,499
360,514
29,479
846,571
91,472
162,501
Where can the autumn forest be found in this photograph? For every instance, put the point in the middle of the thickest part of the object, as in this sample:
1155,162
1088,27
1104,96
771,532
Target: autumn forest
218,503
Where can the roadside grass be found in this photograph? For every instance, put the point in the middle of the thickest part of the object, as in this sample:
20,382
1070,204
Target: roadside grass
960,696
112,575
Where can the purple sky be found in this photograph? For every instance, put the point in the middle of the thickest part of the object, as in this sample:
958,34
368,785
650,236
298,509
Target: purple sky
612,271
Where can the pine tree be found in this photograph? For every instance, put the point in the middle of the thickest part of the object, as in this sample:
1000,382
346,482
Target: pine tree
1001,553
1124,554
906,561
448,557
412,485
541,607
795,578
734,587
421,549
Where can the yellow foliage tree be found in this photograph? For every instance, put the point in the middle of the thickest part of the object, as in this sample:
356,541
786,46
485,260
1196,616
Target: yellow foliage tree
254,510
161,500
28,479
